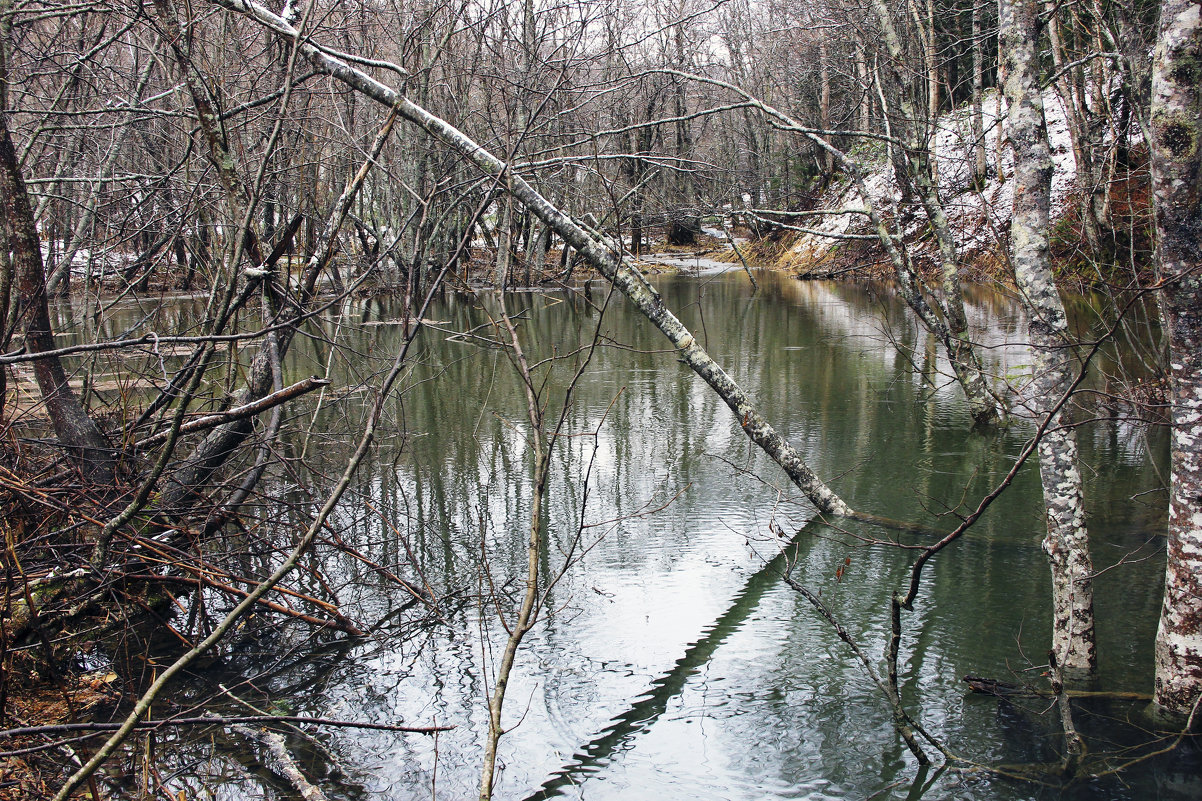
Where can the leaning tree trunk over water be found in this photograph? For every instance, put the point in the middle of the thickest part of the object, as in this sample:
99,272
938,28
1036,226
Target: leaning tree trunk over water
1066,543
1177,187
619,271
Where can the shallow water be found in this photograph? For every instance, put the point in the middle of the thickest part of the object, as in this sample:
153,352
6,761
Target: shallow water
670,660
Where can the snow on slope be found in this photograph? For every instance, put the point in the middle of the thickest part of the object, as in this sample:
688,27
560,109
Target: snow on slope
980,218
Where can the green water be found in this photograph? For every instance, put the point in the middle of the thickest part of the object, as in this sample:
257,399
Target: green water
670,660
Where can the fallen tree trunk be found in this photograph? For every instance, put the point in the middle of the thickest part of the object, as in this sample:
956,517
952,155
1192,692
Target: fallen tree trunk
1002,689
240,412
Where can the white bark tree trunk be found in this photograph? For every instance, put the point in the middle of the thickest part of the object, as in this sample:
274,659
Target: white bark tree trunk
824,102
1177,188
1066,543
863,109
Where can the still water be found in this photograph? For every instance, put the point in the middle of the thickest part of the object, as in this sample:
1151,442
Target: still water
670,660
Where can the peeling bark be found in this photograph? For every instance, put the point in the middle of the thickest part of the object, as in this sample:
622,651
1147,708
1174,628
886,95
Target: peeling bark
1176,176
1067,542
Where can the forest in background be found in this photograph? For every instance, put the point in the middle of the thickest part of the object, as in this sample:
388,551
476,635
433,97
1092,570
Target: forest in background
646,117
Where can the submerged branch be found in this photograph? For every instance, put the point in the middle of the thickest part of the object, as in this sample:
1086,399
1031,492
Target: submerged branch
902,723
282,759
218,720
240,412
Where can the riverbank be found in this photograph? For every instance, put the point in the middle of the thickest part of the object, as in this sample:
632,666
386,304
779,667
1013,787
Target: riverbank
830,235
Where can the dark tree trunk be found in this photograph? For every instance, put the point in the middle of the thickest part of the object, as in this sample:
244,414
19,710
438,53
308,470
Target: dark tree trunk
85,444
683,231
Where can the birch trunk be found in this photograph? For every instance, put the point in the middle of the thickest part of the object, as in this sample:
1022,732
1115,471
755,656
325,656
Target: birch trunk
932,58
1066,543
980,163
504,244
824,104
863,109
1081,126
1176,177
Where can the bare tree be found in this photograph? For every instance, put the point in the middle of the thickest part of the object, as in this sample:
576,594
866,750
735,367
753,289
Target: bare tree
85,444
945,318
240,148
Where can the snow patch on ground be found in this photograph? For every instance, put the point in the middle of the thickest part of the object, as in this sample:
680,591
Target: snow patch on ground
980,217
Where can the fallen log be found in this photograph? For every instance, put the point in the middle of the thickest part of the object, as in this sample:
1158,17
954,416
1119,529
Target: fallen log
219,720
239,412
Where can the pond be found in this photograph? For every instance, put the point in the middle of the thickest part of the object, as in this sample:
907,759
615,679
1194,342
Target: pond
670,660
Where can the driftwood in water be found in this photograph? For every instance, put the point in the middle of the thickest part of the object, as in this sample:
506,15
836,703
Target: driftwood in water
281,760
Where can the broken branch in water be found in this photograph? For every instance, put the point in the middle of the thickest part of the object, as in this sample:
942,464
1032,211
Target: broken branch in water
239,412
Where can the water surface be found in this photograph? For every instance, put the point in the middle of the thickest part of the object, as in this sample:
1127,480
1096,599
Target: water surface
670,661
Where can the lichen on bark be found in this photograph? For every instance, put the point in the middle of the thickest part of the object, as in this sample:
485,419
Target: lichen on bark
1177,190
1066,542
